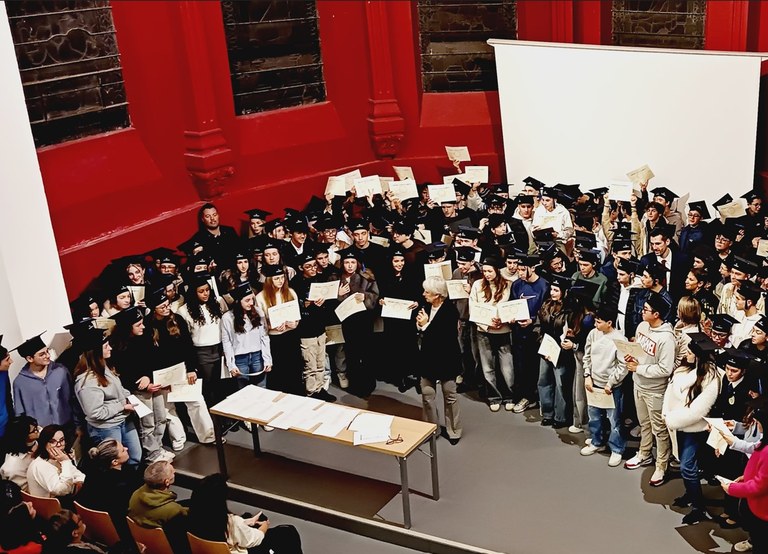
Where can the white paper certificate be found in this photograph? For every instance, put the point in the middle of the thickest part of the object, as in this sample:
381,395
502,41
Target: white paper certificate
629,348
138,406
516,310
642,174
348,307
381,241
334,335
456,289
403,190
550,349
482,313
442,193
448,179
404,173
336,185
173,375
287,311
138,292
732,209
620,191
476,173
186,392
326,291
762,248
458,153
349,178
396,308
368,186
440,269
598,399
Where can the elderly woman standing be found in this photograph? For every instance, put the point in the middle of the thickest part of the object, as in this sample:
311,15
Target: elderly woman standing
440,359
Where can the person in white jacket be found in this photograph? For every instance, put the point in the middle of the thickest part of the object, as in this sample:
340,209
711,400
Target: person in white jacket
53,473
689,397
604,371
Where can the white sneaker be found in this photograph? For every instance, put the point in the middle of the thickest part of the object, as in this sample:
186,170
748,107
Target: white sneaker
588,442
574,429
658,478
743,546
636,461
494,406
591,449
521,406
343,381
614,460
165,456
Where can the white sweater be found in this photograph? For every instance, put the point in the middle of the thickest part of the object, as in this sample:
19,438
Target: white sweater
689,419
45,480
15,468
240,536
602,360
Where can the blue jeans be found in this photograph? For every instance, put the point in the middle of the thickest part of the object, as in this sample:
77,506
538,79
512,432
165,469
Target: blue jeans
250,363
687,446
125,433
493,347
597,419
555,387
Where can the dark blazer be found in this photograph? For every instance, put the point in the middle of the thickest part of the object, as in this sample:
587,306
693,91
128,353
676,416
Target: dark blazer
681,265
440,357
723,406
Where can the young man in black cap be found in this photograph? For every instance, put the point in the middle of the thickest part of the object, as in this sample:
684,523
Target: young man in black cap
652,218
652,280
588,262
696,231
402,236
298,243
650,375
722,325
43,389
675,264
622,293
372,256
551,214
747,296
742,270
664,197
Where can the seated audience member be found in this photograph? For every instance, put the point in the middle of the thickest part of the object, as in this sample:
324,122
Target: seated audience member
64,535
43,389
19,533
20,444
53,473
210,519
108,472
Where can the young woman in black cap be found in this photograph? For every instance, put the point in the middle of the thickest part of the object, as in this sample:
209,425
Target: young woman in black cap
247,352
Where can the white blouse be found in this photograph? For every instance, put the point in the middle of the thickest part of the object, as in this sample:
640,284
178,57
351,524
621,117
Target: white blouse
45,479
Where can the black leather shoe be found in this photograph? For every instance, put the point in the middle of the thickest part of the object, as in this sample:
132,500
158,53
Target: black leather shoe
682,501
546,422
694,516
559,424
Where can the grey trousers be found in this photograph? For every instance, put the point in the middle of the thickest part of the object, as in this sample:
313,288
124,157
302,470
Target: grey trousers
580,413
450,405
313,354
152,426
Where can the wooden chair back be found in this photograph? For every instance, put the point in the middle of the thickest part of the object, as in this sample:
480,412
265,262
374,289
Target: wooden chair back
98,525
154,540
45,507
202,546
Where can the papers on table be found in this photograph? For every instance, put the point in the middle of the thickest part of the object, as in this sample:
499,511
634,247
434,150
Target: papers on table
598,399
139,407
405,189
349,307
371,428
174,375
334,335
336,185
732,209
456,289
334,419
482,313
404,173
476,173
184,392
381,241
513,310
550,349
621,191
642,174
442,193
396,308
440,269
326,291
762,248
458,153
629,348
281,313
715,439
368,186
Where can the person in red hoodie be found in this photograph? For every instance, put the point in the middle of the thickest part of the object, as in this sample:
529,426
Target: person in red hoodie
752,487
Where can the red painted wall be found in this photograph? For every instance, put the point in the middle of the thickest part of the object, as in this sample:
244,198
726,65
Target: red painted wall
131,190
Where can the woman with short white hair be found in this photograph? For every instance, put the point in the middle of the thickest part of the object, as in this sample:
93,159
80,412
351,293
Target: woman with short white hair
440,356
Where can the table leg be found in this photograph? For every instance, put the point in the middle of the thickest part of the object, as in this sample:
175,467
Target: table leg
218,421
255,438
405,492
433,461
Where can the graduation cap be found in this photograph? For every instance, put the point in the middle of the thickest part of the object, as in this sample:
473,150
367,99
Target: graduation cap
465,254
163,255
403,228
306,257
701,207
129,316
549,252
255,245
568,194
326,222
30,346
81,327
559,281
629,266
728,230
750,195
357,224
749,290
761,324
300,226
349,254
257,213
456,227
496,200
658,303
735,358
530,260
744,264
725,199
435,250
524,199
189,246
461,187
493,261
620,245
272,270
533,183
701,345
315,207
273,224
155,298
722,323
586,220
664,193
599,191
584,289
93,339
657,271
585,239
397,251
242,290
589,255
664,229
273,243
550,192
542,235
514,254
494,220
505,239
196,280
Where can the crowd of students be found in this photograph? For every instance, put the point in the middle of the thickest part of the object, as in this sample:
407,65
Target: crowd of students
593,273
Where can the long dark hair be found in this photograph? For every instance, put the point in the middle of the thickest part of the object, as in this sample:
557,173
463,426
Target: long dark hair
704,368
239,313
46,436
18,527
16,434
208,512
194,307
93,361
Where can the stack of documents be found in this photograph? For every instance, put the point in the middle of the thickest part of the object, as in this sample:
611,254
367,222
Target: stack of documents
369,428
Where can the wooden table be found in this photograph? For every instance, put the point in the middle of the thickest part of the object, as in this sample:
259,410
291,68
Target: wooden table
413,432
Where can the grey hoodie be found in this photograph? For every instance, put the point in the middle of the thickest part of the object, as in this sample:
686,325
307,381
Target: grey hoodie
659,345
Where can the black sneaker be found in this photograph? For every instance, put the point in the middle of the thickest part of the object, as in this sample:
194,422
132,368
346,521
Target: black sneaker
323,395
694,516
546,422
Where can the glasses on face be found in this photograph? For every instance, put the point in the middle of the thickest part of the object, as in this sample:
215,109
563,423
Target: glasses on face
647,310
57,442
718,334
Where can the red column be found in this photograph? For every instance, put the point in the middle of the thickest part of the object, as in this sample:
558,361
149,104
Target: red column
207,156
562,21
726,25
386,125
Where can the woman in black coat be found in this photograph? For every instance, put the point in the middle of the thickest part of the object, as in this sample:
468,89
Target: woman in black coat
440,358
